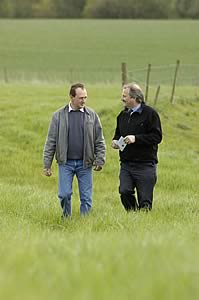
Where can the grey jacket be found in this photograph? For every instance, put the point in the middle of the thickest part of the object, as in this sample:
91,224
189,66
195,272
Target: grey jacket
57,141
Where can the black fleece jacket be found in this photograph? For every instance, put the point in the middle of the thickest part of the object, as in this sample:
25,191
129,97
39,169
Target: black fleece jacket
146,126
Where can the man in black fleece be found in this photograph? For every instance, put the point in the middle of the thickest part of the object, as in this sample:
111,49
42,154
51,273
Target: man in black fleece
140,128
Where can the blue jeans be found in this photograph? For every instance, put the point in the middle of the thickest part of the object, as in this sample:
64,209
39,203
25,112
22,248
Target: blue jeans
85,183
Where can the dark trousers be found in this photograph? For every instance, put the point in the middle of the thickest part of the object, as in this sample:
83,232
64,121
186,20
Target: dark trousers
139,177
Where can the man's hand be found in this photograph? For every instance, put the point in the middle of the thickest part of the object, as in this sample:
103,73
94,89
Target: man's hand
47,172
97,168
129,139
114,144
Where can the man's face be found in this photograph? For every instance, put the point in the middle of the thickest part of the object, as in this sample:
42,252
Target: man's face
128,102
80,98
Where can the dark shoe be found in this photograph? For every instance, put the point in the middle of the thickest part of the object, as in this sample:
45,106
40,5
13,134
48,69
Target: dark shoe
129,202
145,208
65,217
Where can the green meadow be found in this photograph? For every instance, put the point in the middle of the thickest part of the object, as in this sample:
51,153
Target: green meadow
109,254
93,50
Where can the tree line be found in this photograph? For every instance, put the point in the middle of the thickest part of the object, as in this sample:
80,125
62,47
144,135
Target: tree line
128,9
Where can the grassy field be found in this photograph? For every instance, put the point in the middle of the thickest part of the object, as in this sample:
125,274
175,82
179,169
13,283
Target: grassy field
92,50
110,254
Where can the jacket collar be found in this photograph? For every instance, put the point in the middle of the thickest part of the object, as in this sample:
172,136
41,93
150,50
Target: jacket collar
139,110
71,109
85,109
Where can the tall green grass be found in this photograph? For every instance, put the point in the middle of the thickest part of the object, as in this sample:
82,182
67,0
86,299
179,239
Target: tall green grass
108,254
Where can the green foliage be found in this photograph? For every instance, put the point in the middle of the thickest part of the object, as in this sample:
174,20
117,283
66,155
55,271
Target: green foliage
150,9
41,8
70,8
188,8
136,9
17,8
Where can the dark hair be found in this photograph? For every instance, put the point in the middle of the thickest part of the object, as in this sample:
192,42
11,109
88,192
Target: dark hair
74,87
135,92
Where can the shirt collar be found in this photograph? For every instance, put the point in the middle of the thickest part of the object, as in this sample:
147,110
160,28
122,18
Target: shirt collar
132,110
71,109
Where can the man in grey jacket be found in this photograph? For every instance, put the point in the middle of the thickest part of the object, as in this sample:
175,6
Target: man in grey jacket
76,140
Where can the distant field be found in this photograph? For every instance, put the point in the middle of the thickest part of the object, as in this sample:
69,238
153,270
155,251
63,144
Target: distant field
92,50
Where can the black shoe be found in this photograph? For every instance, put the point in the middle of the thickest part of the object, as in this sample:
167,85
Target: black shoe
129,202
145,208
65,217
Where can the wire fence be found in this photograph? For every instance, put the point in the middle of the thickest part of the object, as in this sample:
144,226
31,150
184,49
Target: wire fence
89,75
188,74
159,83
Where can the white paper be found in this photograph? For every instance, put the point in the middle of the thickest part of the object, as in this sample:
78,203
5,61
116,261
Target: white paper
121,143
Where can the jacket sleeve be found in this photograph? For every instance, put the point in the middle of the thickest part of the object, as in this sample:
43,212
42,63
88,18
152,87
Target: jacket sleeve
99,143
154,132
50,144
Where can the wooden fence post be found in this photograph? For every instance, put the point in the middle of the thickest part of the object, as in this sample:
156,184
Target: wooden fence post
174,81
5,74
156,95
147,82
124,74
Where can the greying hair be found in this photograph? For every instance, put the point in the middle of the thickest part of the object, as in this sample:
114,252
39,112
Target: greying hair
135,92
